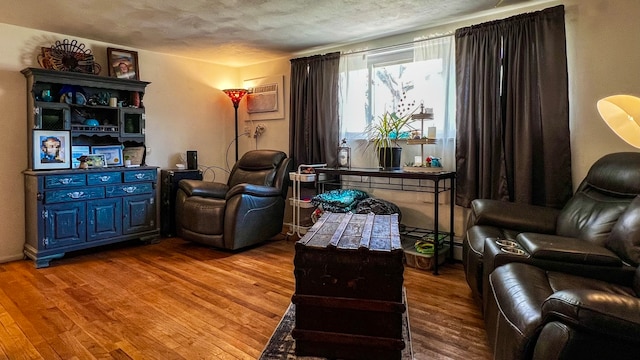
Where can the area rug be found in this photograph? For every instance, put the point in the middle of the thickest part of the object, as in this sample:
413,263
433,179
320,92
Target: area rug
282,346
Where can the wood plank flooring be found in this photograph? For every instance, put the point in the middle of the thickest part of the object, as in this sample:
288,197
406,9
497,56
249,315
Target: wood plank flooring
179,300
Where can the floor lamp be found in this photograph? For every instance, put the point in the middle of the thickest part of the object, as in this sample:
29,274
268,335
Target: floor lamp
622,114
236,95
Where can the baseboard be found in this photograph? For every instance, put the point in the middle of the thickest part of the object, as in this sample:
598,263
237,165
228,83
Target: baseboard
6,259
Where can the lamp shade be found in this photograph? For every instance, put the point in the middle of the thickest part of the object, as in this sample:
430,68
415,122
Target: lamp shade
622,114
235,95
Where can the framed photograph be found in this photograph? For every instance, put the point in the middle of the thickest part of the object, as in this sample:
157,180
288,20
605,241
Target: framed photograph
112,154
95,160
123,64
76,152
51,149
135,154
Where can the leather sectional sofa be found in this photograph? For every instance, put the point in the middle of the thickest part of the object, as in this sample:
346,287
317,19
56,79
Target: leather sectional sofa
562,283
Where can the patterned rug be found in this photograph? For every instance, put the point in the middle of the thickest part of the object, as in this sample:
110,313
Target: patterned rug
282,346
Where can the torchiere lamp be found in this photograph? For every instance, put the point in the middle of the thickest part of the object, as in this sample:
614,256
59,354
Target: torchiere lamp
236,95
622,114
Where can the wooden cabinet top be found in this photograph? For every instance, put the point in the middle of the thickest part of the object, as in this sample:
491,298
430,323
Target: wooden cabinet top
80,79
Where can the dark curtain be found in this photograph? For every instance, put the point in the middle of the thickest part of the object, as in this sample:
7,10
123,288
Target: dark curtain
512,120
314,127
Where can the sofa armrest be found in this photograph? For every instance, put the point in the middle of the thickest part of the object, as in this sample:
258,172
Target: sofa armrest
253,190
567,250
514,216
203,188
616,315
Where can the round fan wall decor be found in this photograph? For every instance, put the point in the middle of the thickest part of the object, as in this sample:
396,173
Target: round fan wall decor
69,55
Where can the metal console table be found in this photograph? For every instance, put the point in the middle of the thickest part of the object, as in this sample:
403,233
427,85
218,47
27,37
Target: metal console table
432,182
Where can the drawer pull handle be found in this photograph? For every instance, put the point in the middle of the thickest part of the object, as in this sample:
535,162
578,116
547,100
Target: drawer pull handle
76,194
65,181
129,189
105,178
139,176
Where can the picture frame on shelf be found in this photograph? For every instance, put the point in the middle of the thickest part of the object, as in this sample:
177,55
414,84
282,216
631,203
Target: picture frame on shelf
112,154
135,154
95,160
123,64
76,152
51,149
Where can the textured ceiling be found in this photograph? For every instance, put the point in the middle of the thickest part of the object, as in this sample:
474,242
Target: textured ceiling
234,32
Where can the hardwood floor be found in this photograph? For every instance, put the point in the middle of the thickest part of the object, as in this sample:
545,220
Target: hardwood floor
179,300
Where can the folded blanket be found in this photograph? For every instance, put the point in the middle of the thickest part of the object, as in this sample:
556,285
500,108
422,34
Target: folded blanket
340,200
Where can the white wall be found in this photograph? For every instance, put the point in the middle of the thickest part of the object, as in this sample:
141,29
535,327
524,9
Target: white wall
277,134
187,111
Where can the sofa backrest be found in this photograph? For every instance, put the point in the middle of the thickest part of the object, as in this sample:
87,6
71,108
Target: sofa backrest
624,239
261,167
609,187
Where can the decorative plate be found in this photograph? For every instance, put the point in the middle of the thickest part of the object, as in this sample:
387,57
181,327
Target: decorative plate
80,99
69,56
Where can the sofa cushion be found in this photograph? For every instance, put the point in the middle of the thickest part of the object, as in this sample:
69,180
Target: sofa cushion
590,216
566,250
616,173
624,239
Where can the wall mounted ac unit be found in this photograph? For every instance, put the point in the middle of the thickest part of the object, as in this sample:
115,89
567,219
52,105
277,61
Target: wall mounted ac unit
263,98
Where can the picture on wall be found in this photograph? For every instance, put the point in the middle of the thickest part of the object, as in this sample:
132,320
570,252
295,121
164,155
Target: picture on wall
51,149
123,64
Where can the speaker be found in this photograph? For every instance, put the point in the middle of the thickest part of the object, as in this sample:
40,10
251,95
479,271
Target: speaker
192,160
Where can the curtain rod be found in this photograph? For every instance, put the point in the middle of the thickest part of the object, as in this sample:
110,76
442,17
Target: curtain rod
439,36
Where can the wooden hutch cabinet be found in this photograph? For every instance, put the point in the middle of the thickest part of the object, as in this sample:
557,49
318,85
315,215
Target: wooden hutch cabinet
72,209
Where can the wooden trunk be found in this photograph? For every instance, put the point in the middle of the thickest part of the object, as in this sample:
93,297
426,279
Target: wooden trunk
349,288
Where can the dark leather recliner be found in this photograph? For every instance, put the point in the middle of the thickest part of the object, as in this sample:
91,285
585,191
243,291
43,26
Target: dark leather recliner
545,315
569,240
531,312
247,210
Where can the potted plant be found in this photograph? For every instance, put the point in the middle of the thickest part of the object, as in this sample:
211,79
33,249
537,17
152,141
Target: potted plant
384,133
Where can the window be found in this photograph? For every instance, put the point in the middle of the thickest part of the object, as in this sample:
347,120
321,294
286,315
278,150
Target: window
400,79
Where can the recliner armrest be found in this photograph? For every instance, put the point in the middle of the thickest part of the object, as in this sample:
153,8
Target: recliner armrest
204,188
515,216
566,249
254,190
616,315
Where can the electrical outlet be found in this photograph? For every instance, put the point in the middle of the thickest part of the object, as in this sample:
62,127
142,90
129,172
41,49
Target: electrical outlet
247,130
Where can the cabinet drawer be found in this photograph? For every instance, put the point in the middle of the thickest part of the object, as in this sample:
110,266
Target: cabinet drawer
58,196
142,175
129,189
104,178
61,181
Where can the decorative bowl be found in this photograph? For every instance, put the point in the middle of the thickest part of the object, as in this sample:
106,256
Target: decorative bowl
92,122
